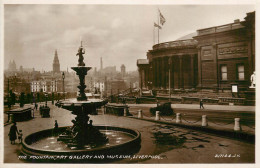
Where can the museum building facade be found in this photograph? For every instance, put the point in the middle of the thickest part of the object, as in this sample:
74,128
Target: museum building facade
213,59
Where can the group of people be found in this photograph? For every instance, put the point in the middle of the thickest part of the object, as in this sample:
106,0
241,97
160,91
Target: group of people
13,134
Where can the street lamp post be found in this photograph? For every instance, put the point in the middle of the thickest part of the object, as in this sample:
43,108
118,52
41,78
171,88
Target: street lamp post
63,77
8,95
170,62
46,97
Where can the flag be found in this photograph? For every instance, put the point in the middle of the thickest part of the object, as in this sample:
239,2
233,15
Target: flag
162,19
156,25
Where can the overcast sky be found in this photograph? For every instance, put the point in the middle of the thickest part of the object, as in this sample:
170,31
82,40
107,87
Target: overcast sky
120,34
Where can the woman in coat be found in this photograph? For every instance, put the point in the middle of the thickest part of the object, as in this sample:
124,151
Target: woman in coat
12,133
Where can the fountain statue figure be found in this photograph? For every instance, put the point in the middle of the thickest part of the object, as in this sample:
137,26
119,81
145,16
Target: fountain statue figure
80,53
253,80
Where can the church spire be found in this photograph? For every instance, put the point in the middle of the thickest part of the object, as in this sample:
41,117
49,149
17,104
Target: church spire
56,63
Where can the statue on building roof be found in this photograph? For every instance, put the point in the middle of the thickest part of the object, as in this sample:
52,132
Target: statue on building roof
253,80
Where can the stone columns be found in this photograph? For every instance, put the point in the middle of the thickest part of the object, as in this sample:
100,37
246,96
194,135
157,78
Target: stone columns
154,73
140,77
143,78
163,72
199,68
167,72
172,72
158,73
180,72
192,70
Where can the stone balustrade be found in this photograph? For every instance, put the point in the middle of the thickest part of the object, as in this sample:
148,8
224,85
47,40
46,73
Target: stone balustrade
221,28
176,44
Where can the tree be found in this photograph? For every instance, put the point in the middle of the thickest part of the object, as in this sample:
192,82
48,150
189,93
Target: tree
22,99
28,99
13,98
52,98
38,97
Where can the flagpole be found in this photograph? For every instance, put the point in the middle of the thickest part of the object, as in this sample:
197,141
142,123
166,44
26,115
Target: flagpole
153,35
158,27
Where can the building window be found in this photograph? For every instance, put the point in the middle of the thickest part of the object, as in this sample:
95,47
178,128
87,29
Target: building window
241,72
223,72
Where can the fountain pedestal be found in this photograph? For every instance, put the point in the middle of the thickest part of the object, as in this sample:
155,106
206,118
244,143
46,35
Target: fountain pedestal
81,71
82,132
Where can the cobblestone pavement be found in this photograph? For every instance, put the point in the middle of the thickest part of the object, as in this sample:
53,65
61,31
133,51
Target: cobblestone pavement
171,144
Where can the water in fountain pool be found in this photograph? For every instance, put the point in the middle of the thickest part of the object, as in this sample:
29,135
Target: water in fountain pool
51,143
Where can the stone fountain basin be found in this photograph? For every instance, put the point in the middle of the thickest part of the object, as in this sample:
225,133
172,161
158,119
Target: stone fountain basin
88,106
129,147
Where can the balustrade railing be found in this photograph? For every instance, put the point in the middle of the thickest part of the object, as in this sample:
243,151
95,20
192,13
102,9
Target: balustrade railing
221,28
171,44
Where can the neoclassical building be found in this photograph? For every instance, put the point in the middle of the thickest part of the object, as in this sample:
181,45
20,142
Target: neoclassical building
213,58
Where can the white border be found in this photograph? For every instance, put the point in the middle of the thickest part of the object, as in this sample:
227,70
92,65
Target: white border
127,2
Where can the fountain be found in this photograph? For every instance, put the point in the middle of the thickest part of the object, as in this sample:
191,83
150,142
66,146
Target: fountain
83,137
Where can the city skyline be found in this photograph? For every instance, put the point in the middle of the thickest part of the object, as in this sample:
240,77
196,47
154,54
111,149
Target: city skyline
118,33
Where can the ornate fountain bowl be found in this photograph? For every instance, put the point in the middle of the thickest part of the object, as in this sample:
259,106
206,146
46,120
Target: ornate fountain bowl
44,144
86,106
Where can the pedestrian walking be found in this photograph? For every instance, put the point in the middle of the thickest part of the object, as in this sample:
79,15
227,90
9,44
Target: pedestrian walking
12,133
36,106
201,104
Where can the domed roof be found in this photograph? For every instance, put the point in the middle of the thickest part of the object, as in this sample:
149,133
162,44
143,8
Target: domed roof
188,36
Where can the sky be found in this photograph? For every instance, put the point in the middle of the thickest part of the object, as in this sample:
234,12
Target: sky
120,34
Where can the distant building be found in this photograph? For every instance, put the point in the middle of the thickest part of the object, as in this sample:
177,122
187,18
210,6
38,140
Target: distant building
101,64
109,70
100,86
45,86
56,63
123,70
12,66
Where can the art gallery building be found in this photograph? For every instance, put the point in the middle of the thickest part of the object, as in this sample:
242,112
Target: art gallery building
213,59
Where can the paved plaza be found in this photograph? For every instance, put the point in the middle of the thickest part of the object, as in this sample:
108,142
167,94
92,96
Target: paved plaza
163,143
